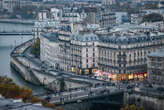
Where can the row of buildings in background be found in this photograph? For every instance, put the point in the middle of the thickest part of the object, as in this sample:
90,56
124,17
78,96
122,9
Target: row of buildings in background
85,6
96,39
103,16
9,5
118,53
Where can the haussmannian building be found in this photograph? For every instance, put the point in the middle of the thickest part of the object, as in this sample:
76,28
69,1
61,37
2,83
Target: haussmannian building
123,54
156,68
107,18
78,53
150,94
127,53
84,52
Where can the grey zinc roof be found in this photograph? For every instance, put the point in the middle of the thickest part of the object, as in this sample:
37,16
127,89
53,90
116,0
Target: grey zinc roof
85,38
127,27
129,39
53,36
159,53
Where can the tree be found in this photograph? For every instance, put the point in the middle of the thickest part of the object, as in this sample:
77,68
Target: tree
62,85
9,89
153,17
132,107
35,99
35,49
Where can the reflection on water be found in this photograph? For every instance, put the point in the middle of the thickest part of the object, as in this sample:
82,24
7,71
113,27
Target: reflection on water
7,43
14,27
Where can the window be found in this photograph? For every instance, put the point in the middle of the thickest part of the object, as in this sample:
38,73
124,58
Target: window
93,54
93,59
86,49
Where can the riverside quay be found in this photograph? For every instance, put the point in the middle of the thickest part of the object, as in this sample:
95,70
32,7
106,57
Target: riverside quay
120,54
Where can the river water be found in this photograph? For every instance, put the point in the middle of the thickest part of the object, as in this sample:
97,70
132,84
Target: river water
14,27
7,43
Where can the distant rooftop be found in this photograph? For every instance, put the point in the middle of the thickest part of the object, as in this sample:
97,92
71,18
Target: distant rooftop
121,39
128,33
47,23
85,38
53,36
127,27
159,53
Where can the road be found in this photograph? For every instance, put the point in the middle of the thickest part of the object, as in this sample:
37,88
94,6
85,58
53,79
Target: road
81,94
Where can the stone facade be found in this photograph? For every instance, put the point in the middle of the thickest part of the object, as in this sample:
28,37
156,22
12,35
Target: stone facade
156,68
118,53
47,45
10,4
150,99
75,53
123,55
1,4
84,52
108,2
107,18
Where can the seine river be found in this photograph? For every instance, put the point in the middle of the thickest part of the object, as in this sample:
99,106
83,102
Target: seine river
7,43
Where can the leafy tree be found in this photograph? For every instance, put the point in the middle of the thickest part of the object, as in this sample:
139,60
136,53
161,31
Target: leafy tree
62,85
35,99
132,107
153,17
60,109
9,89
35,49
47,104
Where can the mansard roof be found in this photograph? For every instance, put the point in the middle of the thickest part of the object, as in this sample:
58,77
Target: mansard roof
53,36
85,38
128,39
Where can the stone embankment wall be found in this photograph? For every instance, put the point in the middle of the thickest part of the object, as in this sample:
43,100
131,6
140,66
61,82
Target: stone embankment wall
21,67
24,71
32,73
